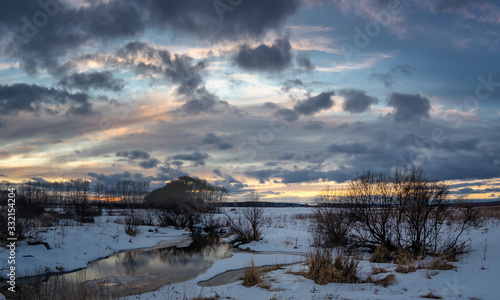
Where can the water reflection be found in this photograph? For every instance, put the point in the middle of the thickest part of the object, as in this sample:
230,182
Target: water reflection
141,271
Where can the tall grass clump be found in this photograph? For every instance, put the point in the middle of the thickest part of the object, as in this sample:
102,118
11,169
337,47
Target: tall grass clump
252,275
324,267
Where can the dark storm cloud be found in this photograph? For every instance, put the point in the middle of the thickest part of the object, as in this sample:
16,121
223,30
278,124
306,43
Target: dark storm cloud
469,191
352,148
262,175
33,98
409,108
177,163
168,173
112,179
197,157
305,63
314,104
306,107
288,84
288,114
273,58
204,101
134,154
213,139
180,69
300,175
356,101
40,42
220,20
233,185
396,72
217,172
139,157
286,156
93,80
270,105
38,38
149,163
313,125
379,146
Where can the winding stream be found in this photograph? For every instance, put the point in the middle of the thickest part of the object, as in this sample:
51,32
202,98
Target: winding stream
143,270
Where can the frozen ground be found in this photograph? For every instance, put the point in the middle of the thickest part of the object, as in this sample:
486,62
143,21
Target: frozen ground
477,275
73,247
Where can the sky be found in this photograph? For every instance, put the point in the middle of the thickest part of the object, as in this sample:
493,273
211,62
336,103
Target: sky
280,97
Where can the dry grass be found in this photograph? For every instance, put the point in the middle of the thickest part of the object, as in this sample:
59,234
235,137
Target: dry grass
376,270
381,255
59,288
431,295
323,268
305,216
489,211
439,263
265,285
405,261
385,282
252,275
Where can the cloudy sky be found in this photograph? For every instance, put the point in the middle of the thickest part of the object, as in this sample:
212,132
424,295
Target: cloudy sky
282,97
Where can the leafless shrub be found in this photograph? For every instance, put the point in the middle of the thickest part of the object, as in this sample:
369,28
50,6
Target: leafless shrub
130,226
83,211
331,220
248,224
402,210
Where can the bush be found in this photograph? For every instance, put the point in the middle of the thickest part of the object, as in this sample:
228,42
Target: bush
131,227
381,255
402,210
247,224
324,268
252,275
84,212
405,260
439,263
331,221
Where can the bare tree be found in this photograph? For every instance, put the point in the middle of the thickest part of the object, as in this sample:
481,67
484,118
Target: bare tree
248,224
332,221
401,210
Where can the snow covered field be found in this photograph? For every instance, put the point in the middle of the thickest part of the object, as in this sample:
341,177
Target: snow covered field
476,276
72,247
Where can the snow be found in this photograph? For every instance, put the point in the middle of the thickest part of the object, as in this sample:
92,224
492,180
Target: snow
73,247
476,276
